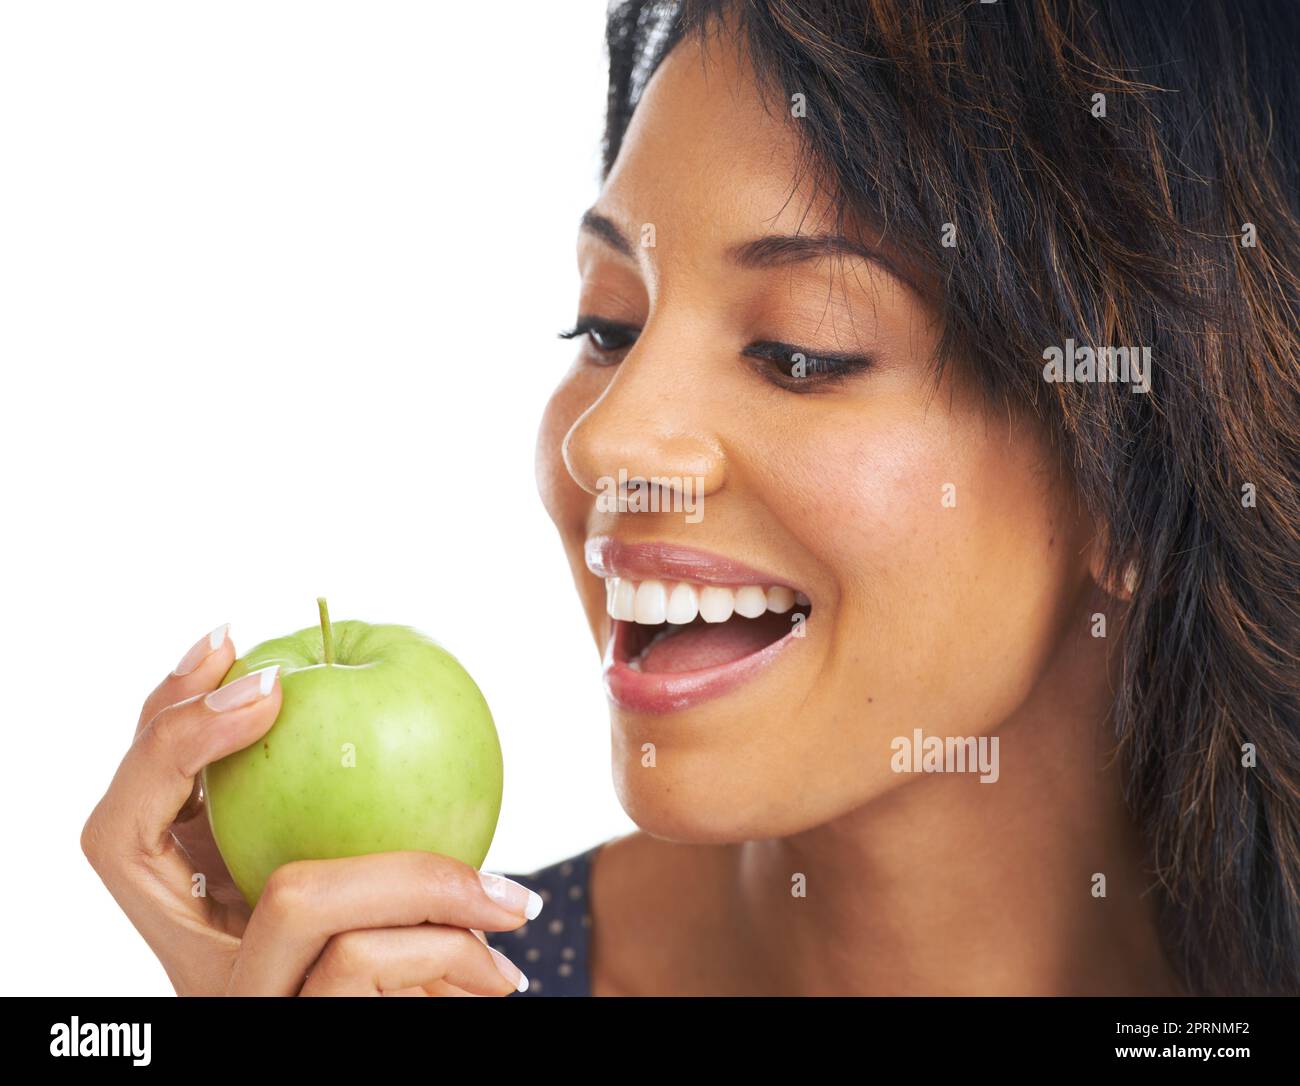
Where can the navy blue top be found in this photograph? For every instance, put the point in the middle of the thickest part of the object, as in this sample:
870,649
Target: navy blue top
552,950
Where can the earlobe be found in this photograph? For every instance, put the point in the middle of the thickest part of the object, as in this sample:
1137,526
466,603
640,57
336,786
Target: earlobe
1119,583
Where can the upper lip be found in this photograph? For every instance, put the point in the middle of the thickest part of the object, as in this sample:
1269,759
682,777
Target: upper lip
610,557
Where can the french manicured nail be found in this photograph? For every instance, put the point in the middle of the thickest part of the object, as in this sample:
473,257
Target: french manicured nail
243,691
516,898
509,970
203,648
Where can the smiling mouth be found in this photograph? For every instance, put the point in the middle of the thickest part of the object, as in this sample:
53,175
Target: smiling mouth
686,625
675,627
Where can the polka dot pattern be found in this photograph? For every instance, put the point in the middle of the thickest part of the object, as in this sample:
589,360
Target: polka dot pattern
552,949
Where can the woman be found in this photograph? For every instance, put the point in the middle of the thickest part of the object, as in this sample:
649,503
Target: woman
927,472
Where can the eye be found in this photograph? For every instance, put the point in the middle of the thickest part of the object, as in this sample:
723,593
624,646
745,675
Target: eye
798,369
606,336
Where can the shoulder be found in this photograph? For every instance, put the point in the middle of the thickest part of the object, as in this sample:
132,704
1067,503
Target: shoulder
552,950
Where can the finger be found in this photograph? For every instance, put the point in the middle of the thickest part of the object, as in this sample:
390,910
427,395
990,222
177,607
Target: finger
157,775
439,988
304,904
201,669
371,962
442,990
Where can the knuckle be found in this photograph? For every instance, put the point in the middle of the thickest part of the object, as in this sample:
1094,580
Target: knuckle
287,892
154,704
445,876
164,731
91,838
346,953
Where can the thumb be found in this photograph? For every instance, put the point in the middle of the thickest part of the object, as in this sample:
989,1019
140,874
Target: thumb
131,824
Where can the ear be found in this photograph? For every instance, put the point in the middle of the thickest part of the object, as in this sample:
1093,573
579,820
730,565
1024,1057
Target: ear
1121,583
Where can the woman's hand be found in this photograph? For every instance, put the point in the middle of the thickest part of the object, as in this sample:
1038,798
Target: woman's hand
390,923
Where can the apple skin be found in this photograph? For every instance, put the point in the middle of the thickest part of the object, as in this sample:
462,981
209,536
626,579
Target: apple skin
427,772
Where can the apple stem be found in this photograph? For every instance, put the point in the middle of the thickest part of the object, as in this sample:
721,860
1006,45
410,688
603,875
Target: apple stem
326,630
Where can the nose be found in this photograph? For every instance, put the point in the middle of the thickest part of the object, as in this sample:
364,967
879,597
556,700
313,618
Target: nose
638,430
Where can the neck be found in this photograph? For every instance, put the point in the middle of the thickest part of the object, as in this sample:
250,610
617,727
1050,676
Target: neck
945,885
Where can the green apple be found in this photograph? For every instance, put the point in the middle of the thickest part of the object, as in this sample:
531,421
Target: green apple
383,742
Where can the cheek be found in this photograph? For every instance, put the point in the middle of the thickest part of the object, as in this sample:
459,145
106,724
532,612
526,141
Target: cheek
946,550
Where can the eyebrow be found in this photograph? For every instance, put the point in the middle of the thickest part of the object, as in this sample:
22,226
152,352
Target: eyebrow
599,226
778,250
772,251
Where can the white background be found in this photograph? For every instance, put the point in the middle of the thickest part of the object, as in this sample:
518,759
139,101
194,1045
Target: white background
279,283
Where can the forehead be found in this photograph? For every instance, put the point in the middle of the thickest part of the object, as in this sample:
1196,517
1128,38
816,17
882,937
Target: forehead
707,153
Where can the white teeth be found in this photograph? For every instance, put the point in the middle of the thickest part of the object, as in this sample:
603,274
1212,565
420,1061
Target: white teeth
780,599
651,603
751,601
683,605
716,604
623,606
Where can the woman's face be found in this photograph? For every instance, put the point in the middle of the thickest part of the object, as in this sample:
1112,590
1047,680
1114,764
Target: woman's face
938,545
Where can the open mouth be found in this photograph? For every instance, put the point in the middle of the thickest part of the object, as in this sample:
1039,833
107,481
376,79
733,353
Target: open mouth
668,628
687,625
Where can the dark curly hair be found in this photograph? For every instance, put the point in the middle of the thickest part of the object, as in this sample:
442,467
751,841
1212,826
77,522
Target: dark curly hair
1171,221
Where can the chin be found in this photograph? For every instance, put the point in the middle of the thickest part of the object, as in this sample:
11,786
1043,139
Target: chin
686,816
696,796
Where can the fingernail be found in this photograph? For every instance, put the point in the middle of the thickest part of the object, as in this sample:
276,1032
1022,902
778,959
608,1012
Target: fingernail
509,970
203,648
243,691
516,898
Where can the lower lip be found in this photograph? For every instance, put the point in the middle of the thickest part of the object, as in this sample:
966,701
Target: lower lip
670,692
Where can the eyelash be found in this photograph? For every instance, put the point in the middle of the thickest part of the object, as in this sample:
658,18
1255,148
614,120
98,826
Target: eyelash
592,327
782,359
818,370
